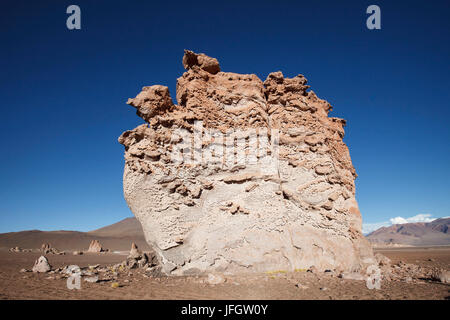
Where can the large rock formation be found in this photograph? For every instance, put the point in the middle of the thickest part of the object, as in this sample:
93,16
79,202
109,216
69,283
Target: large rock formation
264,181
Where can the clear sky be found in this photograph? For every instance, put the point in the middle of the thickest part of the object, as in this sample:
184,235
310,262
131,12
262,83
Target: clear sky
63,94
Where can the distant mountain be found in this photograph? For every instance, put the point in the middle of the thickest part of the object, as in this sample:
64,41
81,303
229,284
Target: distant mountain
117,236
415,234
128,227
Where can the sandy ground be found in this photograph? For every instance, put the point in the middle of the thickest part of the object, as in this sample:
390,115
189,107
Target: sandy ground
277,285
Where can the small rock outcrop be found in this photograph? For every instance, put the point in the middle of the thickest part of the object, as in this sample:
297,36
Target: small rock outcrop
242,175
95,246
41,265
134,251
139,259
46,248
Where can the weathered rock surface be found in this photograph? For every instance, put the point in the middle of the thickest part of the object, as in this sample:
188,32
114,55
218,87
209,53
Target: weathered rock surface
269,184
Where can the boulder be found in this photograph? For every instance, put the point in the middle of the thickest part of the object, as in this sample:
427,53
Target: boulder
135,253
41,265
95,246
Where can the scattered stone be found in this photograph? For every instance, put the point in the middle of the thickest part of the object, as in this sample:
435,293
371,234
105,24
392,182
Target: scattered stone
77,253
71,270
138,259
115,285
91,279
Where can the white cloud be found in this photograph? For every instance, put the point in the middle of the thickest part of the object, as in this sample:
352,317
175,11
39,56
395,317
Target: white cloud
423,217
369,227
417,218
398,220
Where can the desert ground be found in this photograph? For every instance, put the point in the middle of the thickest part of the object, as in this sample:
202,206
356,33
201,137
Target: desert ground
136,284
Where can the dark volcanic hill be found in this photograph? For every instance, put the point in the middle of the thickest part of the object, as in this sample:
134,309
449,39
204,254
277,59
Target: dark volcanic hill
416,234
117,236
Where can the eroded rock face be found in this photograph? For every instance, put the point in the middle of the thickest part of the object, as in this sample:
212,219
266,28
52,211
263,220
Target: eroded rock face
264,181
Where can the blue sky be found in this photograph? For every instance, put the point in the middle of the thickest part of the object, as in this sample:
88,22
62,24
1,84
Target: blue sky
63,94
